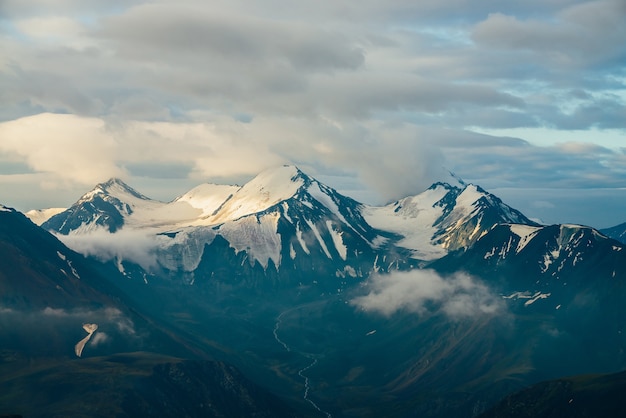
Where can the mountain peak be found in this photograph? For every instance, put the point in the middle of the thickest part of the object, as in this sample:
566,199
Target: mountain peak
114,187
106,206
265,190
281,175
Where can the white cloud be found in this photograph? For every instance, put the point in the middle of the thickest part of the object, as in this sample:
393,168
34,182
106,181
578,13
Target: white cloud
425,292
98,338
135,246
375,89
73,149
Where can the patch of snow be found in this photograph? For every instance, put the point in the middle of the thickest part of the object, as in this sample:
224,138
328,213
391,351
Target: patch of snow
525,233
61,256
292,252
372,332
120,266
337,240
285,212
319,238
4,208
69,263
301,239
549,258
536,297
350,271
413,218
518,295
208,197
506,249
531,298
616,248
319,195
468,197
183,250
152,214
259,237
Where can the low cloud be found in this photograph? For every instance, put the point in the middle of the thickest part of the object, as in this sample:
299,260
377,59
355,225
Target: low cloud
98,339
111,317
135,246
54,328
425,292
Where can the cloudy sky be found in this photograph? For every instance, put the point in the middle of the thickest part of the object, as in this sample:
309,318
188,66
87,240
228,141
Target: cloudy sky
374,97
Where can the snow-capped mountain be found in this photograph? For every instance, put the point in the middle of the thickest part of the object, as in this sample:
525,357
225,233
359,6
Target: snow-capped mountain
289,277
553,250
106,206
443,218
554,264
280,222
284,219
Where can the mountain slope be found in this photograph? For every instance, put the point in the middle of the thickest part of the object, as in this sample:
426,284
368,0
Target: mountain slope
617,232
270,276
48,293
132,385
37,270
577,397
50,296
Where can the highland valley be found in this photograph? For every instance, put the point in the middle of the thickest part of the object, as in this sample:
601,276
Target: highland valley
436,305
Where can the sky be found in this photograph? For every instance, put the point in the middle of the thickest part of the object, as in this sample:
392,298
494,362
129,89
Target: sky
376,98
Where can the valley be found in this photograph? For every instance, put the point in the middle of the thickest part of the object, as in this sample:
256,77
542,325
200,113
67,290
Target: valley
437,305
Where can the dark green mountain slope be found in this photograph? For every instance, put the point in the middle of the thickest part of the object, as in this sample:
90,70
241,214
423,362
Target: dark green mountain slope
574,397
130,385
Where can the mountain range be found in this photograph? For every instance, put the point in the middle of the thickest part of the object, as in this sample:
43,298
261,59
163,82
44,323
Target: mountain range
438,304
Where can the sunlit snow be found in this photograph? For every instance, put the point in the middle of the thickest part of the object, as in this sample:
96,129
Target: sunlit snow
264,191
531,298
316,232
525,233
413,218
337,240
40,216
258,236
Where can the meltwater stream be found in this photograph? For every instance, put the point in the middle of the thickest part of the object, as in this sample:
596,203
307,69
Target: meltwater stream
307,383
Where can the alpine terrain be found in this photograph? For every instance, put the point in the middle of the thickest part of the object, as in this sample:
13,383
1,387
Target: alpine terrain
309,302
